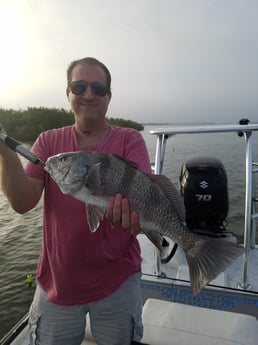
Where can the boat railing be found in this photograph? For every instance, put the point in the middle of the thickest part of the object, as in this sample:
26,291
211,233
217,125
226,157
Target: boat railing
251,168
254,202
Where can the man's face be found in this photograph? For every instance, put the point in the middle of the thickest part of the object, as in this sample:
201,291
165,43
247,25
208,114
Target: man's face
87,106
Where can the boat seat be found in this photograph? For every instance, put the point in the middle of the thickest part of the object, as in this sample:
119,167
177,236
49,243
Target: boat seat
169,323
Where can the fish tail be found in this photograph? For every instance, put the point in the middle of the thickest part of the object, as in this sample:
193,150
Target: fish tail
207,258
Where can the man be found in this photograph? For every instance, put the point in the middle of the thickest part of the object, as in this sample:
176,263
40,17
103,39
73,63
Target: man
80,272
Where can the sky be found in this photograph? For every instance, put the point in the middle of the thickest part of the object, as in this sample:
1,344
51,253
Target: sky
172,61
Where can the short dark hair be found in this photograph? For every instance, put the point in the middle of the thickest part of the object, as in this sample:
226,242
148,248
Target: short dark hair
88,61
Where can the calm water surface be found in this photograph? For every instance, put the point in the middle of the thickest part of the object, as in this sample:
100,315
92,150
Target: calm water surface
20,235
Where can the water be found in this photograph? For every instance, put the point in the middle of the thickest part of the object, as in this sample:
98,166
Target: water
20,235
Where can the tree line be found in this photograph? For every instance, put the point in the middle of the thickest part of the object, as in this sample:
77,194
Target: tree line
25,125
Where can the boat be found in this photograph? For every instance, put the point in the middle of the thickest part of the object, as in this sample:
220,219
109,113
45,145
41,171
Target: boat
225,312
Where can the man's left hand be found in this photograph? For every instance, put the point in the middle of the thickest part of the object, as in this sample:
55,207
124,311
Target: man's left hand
118,212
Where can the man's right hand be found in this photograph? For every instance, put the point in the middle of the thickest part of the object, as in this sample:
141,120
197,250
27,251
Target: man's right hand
22,191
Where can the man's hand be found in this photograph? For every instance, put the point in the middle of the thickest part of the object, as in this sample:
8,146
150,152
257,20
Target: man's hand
118,212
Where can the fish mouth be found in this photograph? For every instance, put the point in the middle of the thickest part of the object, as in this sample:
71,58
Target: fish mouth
47,168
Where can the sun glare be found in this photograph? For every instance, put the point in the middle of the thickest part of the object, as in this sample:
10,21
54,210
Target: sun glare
14,47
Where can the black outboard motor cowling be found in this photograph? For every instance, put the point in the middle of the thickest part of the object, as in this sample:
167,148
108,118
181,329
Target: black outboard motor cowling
203,185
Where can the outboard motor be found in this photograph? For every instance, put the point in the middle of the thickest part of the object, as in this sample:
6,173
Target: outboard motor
203,185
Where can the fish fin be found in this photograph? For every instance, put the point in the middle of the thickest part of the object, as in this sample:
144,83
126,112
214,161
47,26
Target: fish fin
155,238
207,258
95,215
171,193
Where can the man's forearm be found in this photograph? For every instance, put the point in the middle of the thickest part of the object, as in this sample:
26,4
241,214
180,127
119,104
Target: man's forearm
22,192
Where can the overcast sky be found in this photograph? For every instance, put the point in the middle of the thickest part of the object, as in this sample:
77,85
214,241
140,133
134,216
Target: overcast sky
171,60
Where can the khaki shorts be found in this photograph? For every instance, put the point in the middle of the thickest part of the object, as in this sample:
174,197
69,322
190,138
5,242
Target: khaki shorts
115,319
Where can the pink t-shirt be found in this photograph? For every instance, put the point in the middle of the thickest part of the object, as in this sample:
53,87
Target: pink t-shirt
75,265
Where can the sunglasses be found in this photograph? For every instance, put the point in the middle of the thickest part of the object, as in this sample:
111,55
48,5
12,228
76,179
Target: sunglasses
79,86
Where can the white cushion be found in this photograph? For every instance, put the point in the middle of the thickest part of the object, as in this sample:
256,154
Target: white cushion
167,323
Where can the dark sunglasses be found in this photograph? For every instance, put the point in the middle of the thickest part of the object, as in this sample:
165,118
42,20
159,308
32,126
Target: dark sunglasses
79,86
